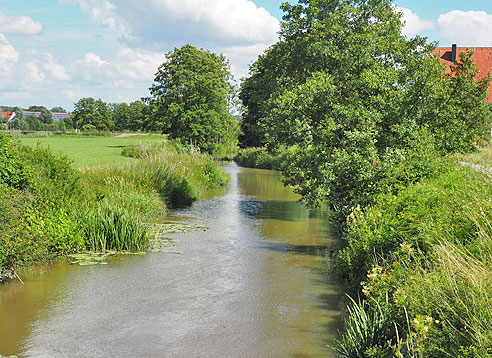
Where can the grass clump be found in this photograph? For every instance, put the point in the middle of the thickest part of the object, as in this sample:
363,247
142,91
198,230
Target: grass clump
112,227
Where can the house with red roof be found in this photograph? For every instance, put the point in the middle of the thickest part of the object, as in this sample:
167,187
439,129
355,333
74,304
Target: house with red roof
482,58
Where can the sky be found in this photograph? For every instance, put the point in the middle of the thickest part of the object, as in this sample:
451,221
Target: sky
54,52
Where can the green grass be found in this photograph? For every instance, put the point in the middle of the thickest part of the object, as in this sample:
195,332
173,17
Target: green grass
482,157
87,151
48,208
424,257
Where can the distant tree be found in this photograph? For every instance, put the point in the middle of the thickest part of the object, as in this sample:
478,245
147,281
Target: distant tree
68,123
46,116
58,110
190,97
93,112
36,108
18,121
121,115
138,116
32,123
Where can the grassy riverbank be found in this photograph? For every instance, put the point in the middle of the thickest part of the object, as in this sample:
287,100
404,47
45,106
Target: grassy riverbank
419,258
50,209
421,261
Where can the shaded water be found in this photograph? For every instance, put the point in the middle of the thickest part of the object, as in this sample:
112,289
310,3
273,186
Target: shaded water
253,285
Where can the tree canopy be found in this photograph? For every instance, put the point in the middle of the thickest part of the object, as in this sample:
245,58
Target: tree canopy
190,96
366,108
88,111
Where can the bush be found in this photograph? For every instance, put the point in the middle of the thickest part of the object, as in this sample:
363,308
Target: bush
255,158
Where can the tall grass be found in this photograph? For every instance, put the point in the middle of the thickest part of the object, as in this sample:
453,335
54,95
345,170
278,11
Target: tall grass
364,328
111,227
425,257
123,197
49,209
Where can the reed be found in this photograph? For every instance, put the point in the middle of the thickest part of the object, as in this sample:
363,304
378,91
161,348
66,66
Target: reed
364,328
111,227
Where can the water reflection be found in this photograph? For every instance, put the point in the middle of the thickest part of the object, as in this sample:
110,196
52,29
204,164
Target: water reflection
255,284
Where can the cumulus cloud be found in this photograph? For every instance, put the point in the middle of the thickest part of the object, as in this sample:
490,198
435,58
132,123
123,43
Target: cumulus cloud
8,56
133,65
55,69
19,25
155,23
468,28
413,23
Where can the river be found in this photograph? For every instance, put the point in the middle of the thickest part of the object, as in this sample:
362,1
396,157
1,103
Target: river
255,283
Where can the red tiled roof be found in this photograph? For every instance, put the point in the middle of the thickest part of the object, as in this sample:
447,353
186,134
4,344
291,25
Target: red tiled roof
6,114
482,57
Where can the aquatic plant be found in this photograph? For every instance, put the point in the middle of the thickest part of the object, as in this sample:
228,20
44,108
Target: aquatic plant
110,227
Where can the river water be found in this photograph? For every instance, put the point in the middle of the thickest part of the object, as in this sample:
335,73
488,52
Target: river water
255,283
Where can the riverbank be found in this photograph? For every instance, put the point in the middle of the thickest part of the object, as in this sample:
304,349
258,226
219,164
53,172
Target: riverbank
421,261
50,209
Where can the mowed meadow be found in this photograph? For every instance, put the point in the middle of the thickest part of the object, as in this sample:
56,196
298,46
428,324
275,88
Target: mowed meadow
92,151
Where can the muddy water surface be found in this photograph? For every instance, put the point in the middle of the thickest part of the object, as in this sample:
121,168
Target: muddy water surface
254,284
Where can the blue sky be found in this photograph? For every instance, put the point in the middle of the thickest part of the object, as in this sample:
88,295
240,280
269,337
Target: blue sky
53,52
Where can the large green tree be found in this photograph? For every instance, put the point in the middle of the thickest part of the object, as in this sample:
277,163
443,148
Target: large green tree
190,98
88,111
355,98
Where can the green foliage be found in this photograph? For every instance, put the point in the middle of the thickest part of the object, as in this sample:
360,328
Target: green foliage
190,99
453,106
255,158
88,111
424,257
36,212
111,227
263,159
14,172
368,109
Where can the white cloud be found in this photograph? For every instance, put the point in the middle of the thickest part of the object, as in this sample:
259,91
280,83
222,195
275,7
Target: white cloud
92,59
241,57
8,56
155,22
127,65
31,74
137,64
19,25
413,23
466,28
147,29
56,70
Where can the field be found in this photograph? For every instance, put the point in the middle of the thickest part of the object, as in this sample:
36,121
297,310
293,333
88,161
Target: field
87,151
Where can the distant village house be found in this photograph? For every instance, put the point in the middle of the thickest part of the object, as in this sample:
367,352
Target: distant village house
482,58
57,116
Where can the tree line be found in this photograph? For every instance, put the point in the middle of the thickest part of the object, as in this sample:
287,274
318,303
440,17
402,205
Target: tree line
192,99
